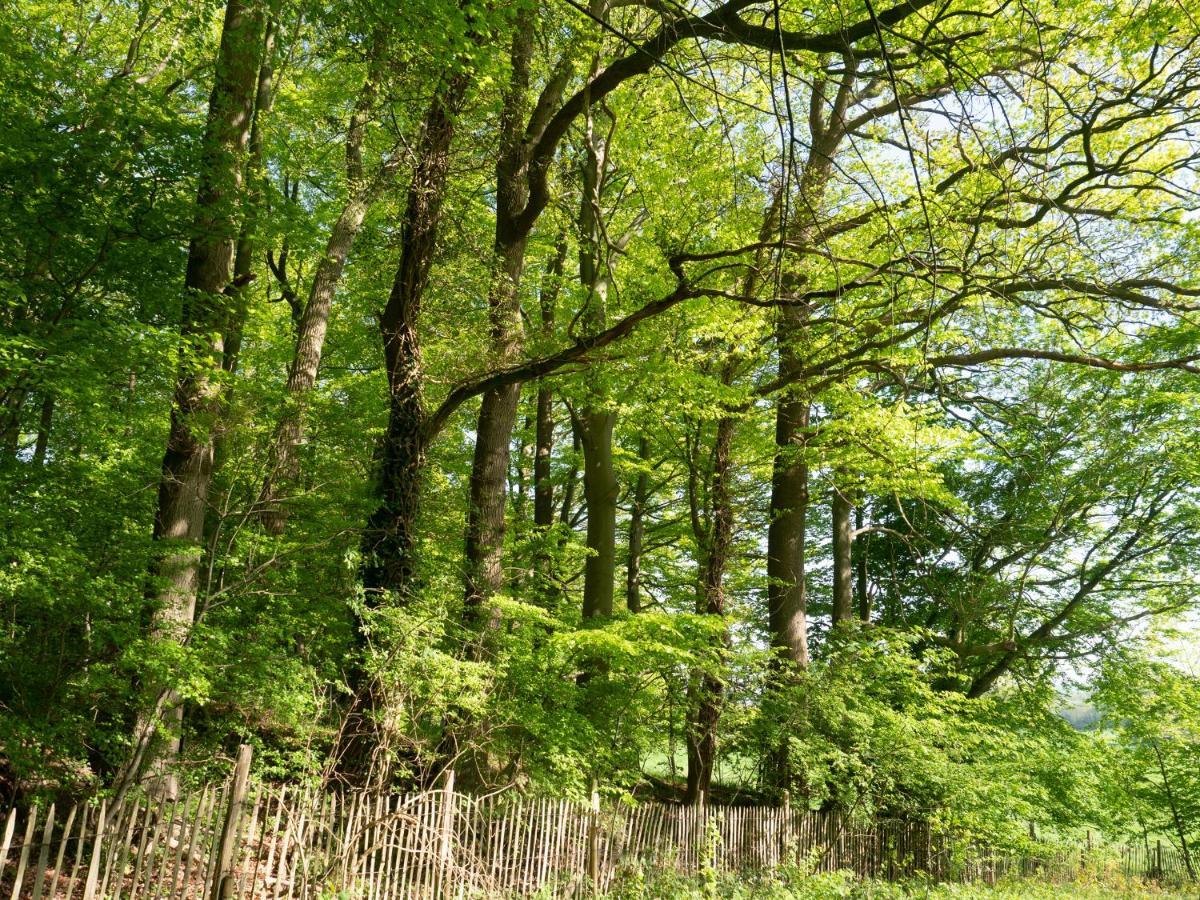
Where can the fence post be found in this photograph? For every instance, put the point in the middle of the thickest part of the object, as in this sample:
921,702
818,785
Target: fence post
445,833
594,839
223,881
93,872
786,849
1158,868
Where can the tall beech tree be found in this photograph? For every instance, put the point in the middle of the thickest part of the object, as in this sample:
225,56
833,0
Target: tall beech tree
207,318
389,537
363,189
452,317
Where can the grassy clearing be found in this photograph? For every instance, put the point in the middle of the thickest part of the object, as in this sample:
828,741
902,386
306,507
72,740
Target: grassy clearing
842,886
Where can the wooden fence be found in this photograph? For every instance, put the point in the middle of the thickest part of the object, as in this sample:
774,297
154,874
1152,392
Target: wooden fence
1157,862
282,842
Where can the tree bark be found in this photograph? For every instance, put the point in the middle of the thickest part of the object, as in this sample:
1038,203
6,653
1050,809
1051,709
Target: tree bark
484,573
843,570
786,603
596,420
543,486
188,461
515,218
566,512
363,753
389,538
10,431
860,566
600,495
45,421
709,688
786,537
247,244
489,466
238,290
786,600
637,529
283,466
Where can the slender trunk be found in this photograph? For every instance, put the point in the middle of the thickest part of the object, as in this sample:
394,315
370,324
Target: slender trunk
637,529
709,689
187,463
247,243
843,570
1180,831
363,754
600,494
543,486
486,518
786,604
522,474
239,295
543,440
596,419
787,611
567,511
10,431
859,549
484,573
389,539
45,420
283,467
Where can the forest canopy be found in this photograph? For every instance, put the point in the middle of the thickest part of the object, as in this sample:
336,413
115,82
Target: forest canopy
727,398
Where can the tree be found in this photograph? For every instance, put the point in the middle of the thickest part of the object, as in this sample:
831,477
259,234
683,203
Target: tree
1151,705
188,462
798,316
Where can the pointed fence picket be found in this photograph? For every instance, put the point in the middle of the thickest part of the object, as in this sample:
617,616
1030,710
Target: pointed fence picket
283,842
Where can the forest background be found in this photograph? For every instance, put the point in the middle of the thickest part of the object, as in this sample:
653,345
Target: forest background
731,397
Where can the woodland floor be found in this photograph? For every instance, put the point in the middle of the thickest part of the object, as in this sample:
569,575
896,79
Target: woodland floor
829,887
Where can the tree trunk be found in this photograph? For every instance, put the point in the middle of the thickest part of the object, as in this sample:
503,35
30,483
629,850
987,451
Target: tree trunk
709,688
484,573
637,529
596,419
486,517
363,754
247,244
389,538
187,463
45,420
786,604
859,550
566,512
843,570
239,290
543,486
10,430
521,476
787,612
600,494
283,466
1180,830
